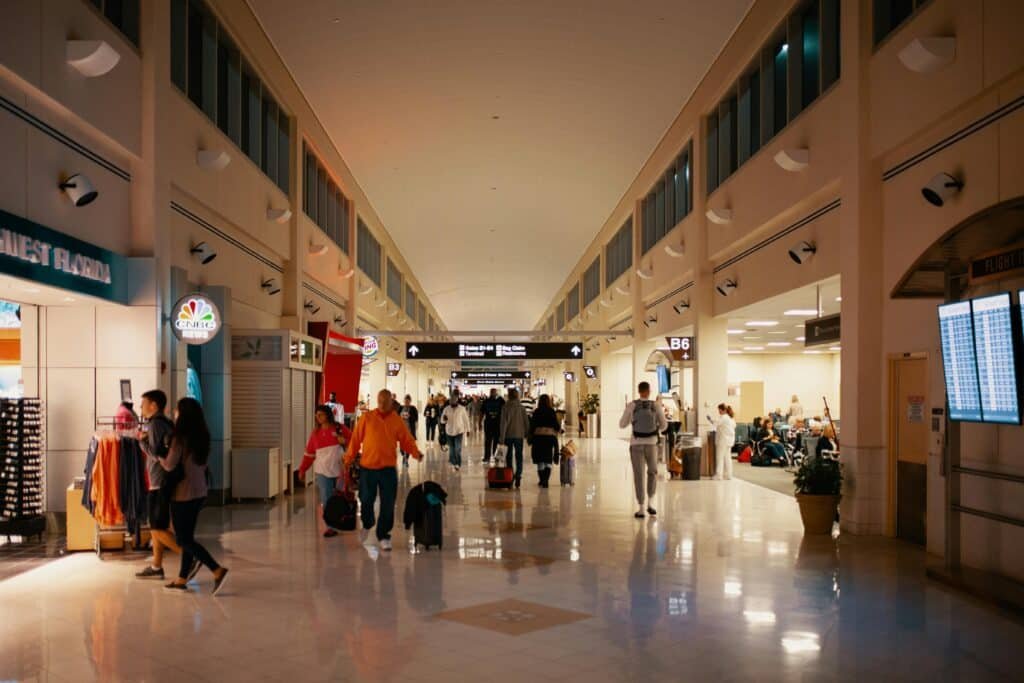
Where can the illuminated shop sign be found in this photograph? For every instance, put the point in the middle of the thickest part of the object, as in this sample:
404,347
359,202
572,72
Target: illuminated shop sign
196,319
682,348
34,252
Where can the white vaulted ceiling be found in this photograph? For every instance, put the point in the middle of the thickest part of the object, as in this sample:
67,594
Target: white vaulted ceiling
492,213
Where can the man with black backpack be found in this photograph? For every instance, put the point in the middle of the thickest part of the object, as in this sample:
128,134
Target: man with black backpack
647,420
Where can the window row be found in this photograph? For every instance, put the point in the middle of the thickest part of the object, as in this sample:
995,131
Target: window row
618,253
368,252
790,72
890,14
323,201
209,69
592,282
123,14
421,318
572,302
394,288
560,315
410,303
668,202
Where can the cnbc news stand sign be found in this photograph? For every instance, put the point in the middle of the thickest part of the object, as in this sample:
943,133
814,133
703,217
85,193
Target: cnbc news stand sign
34,252
492,351
196,319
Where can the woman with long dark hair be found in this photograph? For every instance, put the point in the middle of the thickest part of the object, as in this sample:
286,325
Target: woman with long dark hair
544,431
186,465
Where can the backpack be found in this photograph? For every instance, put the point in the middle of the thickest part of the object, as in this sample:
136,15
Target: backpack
645,419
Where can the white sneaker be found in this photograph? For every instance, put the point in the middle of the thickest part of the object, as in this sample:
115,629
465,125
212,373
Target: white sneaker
385,544
365,538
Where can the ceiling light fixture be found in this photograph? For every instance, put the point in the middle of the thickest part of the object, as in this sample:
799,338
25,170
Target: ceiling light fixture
79,189
778,344
762,323
753,348
803,252
801,312
91,58
735,331
726,287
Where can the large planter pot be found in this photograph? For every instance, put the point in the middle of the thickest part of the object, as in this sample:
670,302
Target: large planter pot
817,512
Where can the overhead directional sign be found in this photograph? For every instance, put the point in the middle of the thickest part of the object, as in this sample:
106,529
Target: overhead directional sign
682,348
493,350
503,375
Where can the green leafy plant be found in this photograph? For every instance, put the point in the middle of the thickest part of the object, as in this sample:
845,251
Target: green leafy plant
819,476
591,404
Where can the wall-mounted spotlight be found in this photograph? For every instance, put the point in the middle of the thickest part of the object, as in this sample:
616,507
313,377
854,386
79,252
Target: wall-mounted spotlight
270,286
675,249
803,252
311,307
940,188
212,159
382,303
927,54
339,321
622,291
346,273
317,248
203,252
644,273
365,289
79,189
793,159
726,287
606,303
278,215
719,216
650,320
91,58
681,307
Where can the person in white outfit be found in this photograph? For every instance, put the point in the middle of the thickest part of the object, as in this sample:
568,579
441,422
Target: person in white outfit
725,437
455,419
647,420
795,409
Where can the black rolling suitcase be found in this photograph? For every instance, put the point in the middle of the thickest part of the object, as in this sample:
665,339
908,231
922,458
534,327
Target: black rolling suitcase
429,529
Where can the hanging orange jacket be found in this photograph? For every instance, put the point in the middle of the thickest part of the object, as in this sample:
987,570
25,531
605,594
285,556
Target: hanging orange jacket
105,482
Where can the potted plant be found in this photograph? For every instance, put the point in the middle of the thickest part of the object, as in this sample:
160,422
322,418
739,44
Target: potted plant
818,483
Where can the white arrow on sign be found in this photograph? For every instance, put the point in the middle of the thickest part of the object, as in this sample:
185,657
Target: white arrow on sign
575,350
414,350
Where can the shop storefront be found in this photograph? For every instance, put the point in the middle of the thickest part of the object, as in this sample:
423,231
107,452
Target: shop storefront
78,337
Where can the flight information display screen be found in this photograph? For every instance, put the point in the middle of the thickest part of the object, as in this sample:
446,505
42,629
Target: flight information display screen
994,347
958,361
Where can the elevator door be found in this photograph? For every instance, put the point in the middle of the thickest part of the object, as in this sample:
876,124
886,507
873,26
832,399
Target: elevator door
910,378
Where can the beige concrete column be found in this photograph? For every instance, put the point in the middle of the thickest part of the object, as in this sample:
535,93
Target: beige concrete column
292,312
712,340
862,509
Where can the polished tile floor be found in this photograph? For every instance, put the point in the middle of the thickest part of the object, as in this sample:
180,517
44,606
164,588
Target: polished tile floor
535,585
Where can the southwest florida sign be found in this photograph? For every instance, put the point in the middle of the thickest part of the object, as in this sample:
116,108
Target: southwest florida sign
34,252
196,319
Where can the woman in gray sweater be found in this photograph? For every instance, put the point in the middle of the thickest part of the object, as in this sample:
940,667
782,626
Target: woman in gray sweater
186,465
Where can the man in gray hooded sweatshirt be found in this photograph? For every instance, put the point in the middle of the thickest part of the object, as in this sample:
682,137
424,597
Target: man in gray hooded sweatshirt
515,423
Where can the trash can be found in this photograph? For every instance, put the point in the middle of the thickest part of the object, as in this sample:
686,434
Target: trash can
691,463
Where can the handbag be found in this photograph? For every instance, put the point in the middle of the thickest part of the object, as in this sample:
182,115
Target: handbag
500,456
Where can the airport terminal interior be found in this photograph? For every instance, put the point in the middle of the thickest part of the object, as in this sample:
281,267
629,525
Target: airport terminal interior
580,340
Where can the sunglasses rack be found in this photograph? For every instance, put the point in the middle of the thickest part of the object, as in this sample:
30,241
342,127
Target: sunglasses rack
21,467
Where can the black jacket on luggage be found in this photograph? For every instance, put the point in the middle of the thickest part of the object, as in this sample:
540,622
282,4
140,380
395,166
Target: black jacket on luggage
416,503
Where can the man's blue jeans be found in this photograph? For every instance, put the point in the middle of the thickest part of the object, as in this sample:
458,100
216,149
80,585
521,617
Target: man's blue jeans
515,455
370,482
455,450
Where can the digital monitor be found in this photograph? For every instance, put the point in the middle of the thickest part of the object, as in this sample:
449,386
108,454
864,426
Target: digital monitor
995,350
664,380
959,364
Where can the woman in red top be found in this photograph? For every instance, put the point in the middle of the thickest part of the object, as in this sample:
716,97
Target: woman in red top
324,452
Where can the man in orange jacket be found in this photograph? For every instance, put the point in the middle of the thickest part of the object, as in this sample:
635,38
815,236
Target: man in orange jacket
377,434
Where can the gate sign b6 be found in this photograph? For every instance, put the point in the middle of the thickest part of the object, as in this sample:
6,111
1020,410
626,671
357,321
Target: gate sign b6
682,348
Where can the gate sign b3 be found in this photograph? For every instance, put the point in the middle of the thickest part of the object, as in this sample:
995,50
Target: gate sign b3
682,348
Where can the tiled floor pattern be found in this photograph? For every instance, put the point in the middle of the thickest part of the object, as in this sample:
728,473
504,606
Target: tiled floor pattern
722,586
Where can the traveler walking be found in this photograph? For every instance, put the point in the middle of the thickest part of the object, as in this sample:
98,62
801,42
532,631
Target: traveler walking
455,421
186,465
431,414
324,451
647,421
156,443
374,440
725,437
544,431
529,403
411,417
492,422
514,426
